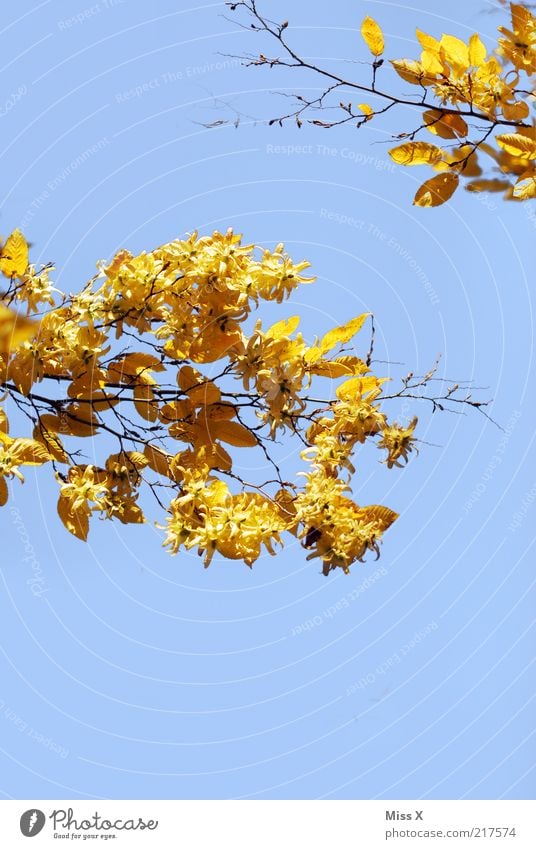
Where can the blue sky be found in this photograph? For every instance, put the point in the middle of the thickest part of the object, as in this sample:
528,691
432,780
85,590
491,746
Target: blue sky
129,674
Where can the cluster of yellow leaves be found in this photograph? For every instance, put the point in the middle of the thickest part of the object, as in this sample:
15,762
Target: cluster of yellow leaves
471,86
190,302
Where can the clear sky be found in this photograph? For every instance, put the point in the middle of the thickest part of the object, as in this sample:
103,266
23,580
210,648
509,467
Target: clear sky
125,673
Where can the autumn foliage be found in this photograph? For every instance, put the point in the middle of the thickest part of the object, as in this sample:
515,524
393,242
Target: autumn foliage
158,366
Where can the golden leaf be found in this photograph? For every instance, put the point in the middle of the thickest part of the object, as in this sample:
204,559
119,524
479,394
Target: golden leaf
144,403
29,452
411,71
488,186
461,159
518,145
200,389
233,433
366,109
76,522
78,420
444,124
339,367
220,412
128,513
343,333
381,516
283,328
358,387
416,153
525,188
427,42
327,368
51,441
372,36
515,111
477,51
157,459
14,255
433,63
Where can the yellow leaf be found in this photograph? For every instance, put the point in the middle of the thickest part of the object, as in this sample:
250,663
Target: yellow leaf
14,255
86,384
445,125
51,442
462,160
78,420
515,111
205,394
200,389
128,513
331,369
411,71
213,344
477,51
521,17
357,365
188,377
427,42
51,423
343,333
525,188
4,423
437,190
433,64
144,403
358,387
30,452
233,433
373,36
76,522
456,51
518,145
14,329
416,153
381,516
157,459
4,494
366,109
283,328
140,360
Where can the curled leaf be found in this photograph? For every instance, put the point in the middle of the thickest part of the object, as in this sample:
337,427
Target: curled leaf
437,190
14,329
343,333
373,36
